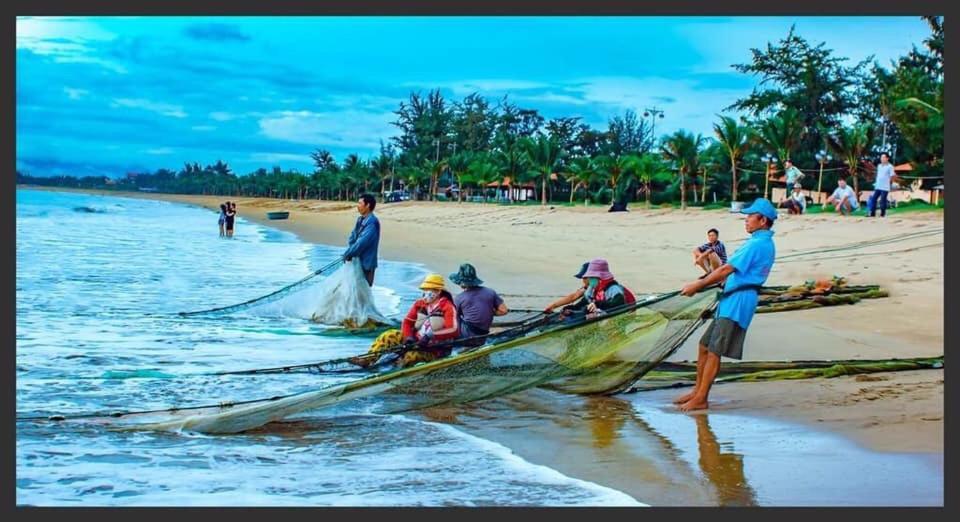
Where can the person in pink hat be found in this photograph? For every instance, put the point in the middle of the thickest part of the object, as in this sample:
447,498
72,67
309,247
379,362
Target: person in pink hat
603,292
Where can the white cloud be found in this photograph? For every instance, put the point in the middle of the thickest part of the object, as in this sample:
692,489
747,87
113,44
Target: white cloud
466,87
203,128
221,116
75,94
161,151
65,39
348,128
695,107
275,157
174,111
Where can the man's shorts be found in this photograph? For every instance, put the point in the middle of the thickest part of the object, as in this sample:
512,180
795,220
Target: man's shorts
724,337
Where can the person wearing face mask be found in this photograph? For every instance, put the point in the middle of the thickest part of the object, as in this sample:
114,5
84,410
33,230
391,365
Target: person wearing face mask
432,319
603,292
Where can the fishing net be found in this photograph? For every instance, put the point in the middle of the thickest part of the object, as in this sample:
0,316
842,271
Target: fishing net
595,355
343,299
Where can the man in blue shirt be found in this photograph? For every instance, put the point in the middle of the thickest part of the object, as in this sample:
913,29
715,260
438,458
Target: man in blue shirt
365,238
746,271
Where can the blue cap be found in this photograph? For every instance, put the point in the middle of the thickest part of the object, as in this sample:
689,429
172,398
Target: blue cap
583,270
763,207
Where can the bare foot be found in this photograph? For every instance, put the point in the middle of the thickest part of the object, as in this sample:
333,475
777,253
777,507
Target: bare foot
683,398
694,404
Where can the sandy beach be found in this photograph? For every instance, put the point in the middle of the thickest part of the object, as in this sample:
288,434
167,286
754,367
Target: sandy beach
529,254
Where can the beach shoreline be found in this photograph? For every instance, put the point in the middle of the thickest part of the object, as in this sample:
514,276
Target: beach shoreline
529,254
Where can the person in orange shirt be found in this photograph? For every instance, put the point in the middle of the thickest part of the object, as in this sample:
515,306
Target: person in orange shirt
432,319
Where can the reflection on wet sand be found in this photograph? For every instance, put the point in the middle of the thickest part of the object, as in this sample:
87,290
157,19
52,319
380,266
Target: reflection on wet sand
723,470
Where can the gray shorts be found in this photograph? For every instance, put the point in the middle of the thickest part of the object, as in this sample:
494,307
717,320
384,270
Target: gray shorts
724,337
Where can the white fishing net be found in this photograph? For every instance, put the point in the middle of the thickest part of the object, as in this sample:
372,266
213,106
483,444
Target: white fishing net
342,299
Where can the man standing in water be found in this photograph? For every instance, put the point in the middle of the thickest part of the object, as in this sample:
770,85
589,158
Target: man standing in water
747,269
365,238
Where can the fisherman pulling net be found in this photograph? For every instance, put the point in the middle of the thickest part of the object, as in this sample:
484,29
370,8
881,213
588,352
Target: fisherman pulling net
565,355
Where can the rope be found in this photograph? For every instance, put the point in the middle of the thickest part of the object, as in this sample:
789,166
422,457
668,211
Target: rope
271,297
863,244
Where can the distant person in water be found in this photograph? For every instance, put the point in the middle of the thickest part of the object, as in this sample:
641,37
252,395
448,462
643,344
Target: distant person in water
229,217
576,294
223,219
476,305
710,255
365,238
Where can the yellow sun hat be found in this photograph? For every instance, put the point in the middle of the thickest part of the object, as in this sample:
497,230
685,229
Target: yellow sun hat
432,282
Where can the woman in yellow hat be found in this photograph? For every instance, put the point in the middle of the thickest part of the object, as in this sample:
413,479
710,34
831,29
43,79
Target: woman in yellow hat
432,319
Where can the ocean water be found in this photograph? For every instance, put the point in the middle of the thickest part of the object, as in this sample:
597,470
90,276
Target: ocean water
99,283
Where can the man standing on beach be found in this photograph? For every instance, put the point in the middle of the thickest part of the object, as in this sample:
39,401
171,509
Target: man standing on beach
747,269
881,186
365,238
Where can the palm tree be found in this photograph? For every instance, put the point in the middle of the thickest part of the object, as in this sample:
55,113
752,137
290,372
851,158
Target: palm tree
513,162
647,167
781,134
583,171
435,169
682,148
736,140
459,163
483,171
545,155
383,168
851,144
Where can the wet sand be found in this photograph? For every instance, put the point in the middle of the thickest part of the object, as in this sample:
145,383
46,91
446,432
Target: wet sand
529,253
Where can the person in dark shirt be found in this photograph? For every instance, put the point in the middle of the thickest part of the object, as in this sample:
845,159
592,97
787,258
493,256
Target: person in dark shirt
476,305
710,255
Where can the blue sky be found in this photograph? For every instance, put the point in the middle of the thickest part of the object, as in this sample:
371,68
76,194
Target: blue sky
109,95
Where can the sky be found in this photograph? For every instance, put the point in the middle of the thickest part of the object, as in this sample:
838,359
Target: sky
111,95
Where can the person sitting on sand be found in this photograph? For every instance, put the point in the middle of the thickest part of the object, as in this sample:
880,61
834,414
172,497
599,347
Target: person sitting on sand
603,292
844,198
476,305
572,297
710,255
746,272
432,319
797,202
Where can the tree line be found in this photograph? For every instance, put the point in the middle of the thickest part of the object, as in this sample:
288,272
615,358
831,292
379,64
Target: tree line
810,106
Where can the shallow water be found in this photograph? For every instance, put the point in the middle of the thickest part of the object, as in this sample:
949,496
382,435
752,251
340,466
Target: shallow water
98,290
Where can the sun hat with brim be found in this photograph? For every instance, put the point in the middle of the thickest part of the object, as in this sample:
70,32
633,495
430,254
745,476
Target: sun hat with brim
598,268
432,282
583,270
466,276
763,207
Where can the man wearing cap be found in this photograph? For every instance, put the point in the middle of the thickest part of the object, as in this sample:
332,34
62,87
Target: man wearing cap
746,271
797,202
603,292
365,238
476,305
572,297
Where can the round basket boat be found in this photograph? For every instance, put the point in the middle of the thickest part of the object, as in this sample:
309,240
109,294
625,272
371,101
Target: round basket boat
278,215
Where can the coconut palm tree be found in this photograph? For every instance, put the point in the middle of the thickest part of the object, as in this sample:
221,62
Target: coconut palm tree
545,157
851,144
484,171
582,172
736,140
781,134
647,167
459,163
514,163
682,148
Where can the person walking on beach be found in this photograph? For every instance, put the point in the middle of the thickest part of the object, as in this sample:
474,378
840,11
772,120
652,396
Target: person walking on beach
881,186
710,255
223,219
746,271
229,217
365,238
476,304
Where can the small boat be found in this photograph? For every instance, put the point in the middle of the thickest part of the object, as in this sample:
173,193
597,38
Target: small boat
278,215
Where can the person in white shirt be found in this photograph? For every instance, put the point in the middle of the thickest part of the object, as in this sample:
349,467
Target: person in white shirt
797,202
881,187
843,198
